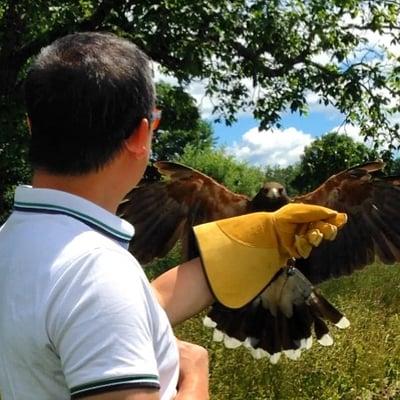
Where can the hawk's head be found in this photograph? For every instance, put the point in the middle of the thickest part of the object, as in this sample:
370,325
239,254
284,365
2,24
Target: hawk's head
270,197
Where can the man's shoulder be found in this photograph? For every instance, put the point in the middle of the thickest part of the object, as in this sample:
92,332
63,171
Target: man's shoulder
104,273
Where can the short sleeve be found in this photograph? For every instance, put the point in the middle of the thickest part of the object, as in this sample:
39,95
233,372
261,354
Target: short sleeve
100,325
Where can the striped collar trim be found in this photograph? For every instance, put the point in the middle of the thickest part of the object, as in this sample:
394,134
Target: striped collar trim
113,383
51,201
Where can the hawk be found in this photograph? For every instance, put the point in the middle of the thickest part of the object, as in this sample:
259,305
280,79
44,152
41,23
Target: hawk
283,318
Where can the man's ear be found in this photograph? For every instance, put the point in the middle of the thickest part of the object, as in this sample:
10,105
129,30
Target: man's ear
139,141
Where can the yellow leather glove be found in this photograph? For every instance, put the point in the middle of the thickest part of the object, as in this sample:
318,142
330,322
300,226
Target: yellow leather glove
241,255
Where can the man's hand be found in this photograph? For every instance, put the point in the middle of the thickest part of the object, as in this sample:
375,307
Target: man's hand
299,227
193,374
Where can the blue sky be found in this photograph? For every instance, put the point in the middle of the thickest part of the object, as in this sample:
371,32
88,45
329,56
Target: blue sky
282,146
316,124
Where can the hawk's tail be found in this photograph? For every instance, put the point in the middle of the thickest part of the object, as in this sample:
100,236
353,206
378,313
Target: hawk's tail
283,319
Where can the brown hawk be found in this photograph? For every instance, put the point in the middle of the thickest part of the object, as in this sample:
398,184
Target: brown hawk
283,317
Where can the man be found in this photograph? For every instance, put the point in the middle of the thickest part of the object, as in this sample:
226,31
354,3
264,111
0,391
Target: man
78,318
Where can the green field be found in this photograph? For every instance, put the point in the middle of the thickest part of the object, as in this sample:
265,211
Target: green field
362,364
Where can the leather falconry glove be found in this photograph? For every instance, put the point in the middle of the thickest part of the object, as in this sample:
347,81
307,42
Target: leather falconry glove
241,255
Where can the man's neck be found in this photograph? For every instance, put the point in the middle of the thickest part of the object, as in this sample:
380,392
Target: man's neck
97,187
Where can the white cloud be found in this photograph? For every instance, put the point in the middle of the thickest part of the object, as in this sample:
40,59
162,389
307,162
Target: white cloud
316,105
197,89
161,76
378,41
205,103
350,130
272,147
323,57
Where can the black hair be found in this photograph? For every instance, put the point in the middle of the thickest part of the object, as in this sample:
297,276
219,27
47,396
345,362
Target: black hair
85,94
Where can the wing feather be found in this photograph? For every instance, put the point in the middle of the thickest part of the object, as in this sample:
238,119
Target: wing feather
371,202
164,212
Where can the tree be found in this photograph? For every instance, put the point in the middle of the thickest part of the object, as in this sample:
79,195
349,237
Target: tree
225,169
14,168
394,167
259,54
272,43
328,155
181,124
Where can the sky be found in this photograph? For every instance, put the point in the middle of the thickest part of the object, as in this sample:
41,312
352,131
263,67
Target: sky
275,147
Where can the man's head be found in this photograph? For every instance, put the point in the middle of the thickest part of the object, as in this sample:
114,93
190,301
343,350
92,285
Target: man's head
86,93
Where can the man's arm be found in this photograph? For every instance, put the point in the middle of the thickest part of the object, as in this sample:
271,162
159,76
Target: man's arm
183,291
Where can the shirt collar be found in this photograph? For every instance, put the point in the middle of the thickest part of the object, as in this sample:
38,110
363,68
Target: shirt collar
52,201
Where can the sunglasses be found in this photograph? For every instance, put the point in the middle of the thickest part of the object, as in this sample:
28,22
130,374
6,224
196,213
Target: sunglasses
155,119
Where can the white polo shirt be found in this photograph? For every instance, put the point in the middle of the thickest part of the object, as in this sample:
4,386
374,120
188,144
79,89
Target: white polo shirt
77,313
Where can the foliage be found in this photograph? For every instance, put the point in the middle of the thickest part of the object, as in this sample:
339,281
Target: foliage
157,267
180,124
237,176
328,155
14,168
393,166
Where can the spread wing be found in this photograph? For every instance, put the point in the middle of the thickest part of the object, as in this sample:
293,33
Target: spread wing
371,202
164,212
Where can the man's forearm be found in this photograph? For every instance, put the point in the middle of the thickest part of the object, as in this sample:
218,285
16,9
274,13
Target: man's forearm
183,291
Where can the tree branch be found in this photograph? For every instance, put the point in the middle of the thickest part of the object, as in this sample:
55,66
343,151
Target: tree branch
88,24
253,57
368,27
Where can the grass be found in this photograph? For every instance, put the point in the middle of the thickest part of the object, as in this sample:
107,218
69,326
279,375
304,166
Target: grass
363,363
